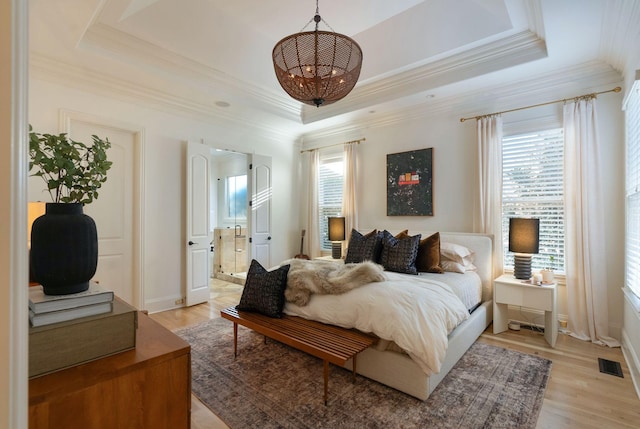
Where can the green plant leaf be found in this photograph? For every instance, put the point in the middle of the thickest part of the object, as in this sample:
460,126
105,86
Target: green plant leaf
71,170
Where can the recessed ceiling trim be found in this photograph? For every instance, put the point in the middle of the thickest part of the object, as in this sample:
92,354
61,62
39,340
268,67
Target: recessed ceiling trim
620,38
513,50
137,51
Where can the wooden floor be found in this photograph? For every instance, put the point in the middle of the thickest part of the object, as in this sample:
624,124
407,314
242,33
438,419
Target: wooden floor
578,394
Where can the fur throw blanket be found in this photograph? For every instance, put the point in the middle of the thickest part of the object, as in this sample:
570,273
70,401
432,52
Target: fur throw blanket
326,277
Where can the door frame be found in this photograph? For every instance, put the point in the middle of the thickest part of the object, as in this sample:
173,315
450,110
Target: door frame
138,233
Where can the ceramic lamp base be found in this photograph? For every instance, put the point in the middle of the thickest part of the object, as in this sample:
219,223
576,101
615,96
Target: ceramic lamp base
522,266
336,250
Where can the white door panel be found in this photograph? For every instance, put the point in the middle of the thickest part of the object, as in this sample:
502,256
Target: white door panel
261,194
113,210
198,229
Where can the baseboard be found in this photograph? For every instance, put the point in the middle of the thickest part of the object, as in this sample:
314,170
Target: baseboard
631,337
162,304
633,361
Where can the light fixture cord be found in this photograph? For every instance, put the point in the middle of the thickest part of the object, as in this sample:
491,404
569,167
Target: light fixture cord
317,18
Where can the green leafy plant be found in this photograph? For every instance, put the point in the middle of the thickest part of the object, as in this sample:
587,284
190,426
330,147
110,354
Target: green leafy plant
72,171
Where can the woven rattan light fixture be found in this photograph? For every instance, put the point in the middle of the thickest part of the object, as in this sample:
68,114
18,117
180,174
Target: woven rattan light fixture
317,67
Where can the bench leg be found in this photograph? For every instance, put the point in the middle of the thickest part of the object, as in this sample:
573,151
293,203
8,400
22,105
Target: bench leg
354,367
326,381
235,339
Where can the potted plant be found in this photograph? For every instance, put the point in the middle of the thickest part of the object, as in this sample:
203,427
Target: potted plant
64,241
547,273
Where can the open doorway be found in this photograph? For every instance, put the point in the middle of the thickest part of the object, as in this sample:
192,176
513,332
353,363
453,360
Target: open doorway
229,214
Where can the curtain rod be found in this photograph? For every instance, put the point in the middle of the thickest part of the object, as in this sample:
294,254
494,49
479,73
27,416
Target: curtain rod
616,89
332,145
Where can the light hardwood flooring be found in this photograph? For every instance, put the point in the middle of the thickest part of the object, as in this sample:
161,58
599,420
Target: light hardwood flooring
578,394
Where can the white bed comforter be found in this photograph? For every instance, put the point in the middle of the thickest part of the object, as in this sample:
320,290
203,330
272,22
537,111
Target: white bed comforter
415,312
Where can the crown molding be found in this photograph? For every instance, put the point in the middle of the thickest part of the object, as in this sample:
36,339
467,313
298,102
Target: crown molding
507,52
96,82
535,17
567,82
134,50
620,37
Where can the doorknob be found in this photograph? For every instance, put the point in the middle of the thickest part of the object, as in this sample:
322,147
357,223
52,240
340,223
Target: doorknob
191,243
269,238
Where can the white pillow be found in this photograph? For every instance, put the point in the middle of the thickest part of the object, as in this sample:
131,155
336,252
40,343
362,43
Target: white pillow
456,253
455,267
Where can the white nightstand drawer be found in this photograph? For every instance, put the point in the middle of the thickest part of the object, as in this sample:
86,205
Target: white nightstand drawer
534,297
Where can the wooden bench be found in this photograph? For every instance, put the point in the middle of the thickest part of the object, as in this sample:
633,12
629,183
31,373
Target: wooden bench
330,343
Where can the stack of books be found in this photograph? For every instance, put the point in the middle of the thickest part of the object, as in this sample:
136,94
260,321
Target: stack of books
68,330
49,309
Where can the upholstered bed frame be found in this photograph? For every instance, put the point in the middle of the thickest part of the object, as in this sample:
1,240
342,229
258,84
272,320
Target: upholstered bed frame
398,370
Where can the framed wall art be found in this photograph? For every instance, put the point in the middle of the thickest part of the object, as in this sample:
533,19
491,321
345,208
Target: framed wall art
410,183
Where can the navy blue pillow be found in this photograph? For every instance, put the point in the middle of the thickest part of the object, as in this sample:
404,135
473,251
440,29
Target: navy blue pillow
264,290
399,254
364,247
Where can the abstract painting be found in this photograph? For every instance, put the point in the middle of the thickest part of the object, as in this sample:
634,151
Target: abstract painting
410,183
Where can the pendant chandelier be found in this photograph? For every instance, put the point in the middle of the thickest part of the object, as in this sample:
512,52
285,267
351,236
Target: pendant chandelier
317,67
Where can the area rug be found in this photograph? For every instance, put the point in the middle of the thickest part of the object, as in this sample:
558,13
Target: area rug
274,386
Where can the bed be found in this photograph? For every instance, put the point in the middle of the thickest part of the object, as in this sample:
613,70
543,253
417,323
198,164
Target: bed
391,364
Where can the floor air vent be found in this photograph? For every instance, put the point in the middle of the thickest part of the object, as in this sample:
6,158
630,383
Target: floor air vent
610,367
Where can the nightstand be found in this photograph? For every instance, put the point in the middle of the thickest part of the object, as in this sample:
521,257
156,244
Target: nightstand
509,290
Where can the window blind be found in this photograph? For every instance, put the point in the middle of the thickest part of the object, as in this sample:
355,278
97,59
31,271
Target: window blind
632,236
533,186
329,194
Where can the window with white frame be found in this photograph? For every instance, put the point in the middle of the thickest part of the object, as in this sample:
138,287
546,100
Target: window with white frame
331,178
533,186
632,191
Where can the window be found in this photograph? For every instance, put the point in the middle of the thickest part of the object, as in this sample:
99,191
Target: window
237,197
329,193
533,186
632,239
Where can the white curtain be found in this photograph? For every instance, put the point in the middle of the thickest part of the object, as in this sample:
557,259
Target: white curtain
349,207
489,216
585,257
312,222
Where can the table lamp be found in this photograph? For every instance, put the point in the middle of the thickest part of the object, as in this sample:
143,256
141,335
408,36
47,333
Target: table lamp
336,236
523,241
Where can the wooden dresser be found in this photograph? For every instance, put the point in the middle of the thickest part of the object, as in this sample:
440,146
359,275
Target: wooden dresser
149,387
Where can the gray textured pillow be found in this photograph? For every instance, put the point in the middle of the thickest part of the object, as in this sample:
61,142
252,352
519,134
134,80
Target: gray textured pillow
364,247
264,290
399,254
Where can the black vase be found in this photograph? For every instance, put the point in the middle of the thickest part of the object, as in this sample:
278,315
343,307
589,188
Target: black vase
64,249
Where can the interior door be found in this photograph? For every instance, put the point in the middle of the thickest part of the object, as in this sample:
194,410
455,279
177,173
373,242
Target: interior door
198,230
261,193
113,210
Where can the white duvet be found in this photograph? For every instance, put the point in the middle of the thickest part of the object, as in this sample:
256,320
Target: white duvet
415,312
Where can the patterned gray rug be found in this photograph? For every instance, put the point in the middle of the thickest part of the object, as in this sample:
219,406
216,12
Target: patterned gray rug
274,386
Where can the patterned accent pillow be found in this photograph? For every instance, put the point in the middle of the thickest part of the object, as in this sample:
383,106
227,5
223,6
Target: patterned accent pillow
264,290
399,254
428,259
364,247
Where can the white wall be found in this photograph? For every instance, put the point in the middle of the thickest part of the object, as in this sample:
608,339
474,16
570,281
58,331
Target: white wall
455,179
163,264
